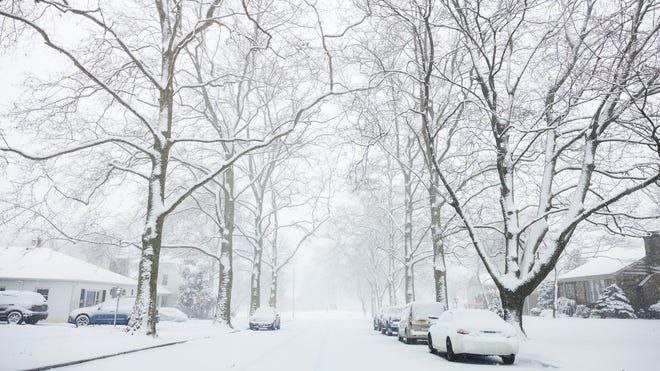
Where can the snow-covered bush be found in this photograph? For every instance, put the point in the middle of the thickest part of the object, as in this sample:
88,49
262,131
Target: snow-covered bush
495,302
565,307
195,297
654,310
536,311
613,303
582,311
546,295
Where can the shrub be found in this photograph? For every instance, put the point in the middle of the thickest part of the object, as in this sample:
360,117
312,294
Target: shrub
582,311
565,307
613,303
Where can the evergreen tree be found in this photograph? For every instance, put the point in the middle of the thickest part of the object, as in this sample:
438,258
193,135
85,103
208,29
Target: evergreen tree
546,295
195,297
613,303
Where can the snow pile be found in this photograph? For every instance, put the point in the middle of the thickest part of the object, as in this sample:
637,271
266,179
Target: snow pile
613,303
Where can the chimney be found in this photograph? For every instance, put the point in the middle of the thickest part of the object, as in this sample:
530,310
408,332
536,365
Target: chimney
652,247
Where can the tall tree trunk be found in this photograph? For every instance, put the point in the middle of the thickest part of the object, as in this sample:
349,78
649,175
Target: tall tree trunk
226,273
143,315
407,239
512,304
255,280
439,267
272,298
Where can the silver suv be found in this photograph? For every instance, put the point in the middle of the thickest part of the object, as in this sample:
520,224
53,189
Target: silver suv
17,307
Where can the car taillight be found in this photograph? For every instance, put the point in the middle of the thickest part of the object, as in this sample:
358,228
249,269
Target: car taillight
463,332
34,307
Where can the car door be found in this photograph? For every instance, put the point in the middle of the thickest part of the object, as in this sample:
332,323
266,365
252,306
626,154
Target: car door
441,330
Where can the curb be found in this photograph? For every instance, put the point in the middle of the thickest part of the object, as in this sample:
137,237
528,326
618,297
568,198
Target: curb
71,363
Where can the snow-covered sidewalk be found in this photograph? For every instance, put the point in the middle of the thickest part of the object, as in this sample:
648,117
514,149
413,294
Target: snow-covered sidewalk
328,342
44,344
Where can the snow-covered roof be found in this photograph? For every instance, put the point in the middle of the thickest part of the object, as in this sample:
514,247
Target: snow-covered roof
45,264
598,266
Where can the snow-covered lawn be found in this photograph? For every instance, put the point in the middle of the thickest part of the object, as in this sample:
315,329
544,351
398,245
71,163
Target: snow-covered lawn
331,342
44,344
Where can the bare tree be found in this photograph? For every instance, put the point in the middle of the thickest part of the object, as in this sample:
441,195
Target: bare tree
602,72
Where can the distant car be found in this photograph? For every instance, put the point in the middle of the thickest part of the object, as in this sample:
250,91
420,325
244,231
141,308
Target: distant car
172,314
414,324
378,316
18,307
103,313
265,318
473,331
390,320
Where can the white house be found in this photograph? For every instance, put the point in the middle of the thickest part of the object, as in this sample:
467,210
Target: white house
66,282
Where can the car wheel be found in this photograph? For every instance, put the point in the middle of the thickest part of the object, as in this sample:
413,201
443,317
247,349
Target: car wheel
15,317
430,344
82,320
451,357
508,360
408,340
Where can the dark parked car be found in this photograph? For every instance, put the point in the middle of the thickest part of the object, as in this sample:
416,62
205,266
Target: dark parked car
378,316
18,307
265,318
104,313
390,320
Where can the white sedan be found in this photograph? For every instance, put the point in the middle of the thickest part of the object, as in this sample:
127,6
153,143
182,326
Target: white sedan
473,331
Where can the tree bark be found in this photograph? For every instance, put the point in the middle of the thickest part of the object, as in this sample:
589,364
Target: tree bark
512,304
272,299
226,272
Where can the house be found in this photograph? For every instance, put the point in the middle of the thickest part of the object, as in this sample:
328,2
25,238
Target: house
639,279
66,282
169,277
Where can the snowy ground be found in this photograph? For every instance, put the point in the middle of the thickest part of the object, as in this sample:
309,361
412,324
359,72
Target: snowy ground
334,342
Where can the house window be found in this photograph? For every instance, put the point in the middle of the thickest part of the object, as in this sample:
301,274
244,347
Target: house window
43,292
569,290
89,298
164,280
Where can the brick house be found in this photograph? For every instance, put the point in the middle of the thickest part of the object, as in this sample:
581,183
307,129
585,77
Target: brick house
640,279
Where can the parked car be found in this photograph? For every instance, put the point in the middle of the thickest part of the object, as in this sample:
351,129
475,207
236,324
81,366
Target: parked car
172,314
104,313
414,323
378,316
18,307
473,331
390,320
265,318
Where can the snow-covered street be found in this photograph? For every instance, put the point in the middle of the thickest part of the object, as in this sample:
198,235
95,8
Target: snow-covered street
322,341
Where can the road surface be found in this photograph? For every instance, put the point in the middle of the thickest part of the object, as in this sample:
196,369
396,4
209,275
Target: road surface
324,344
